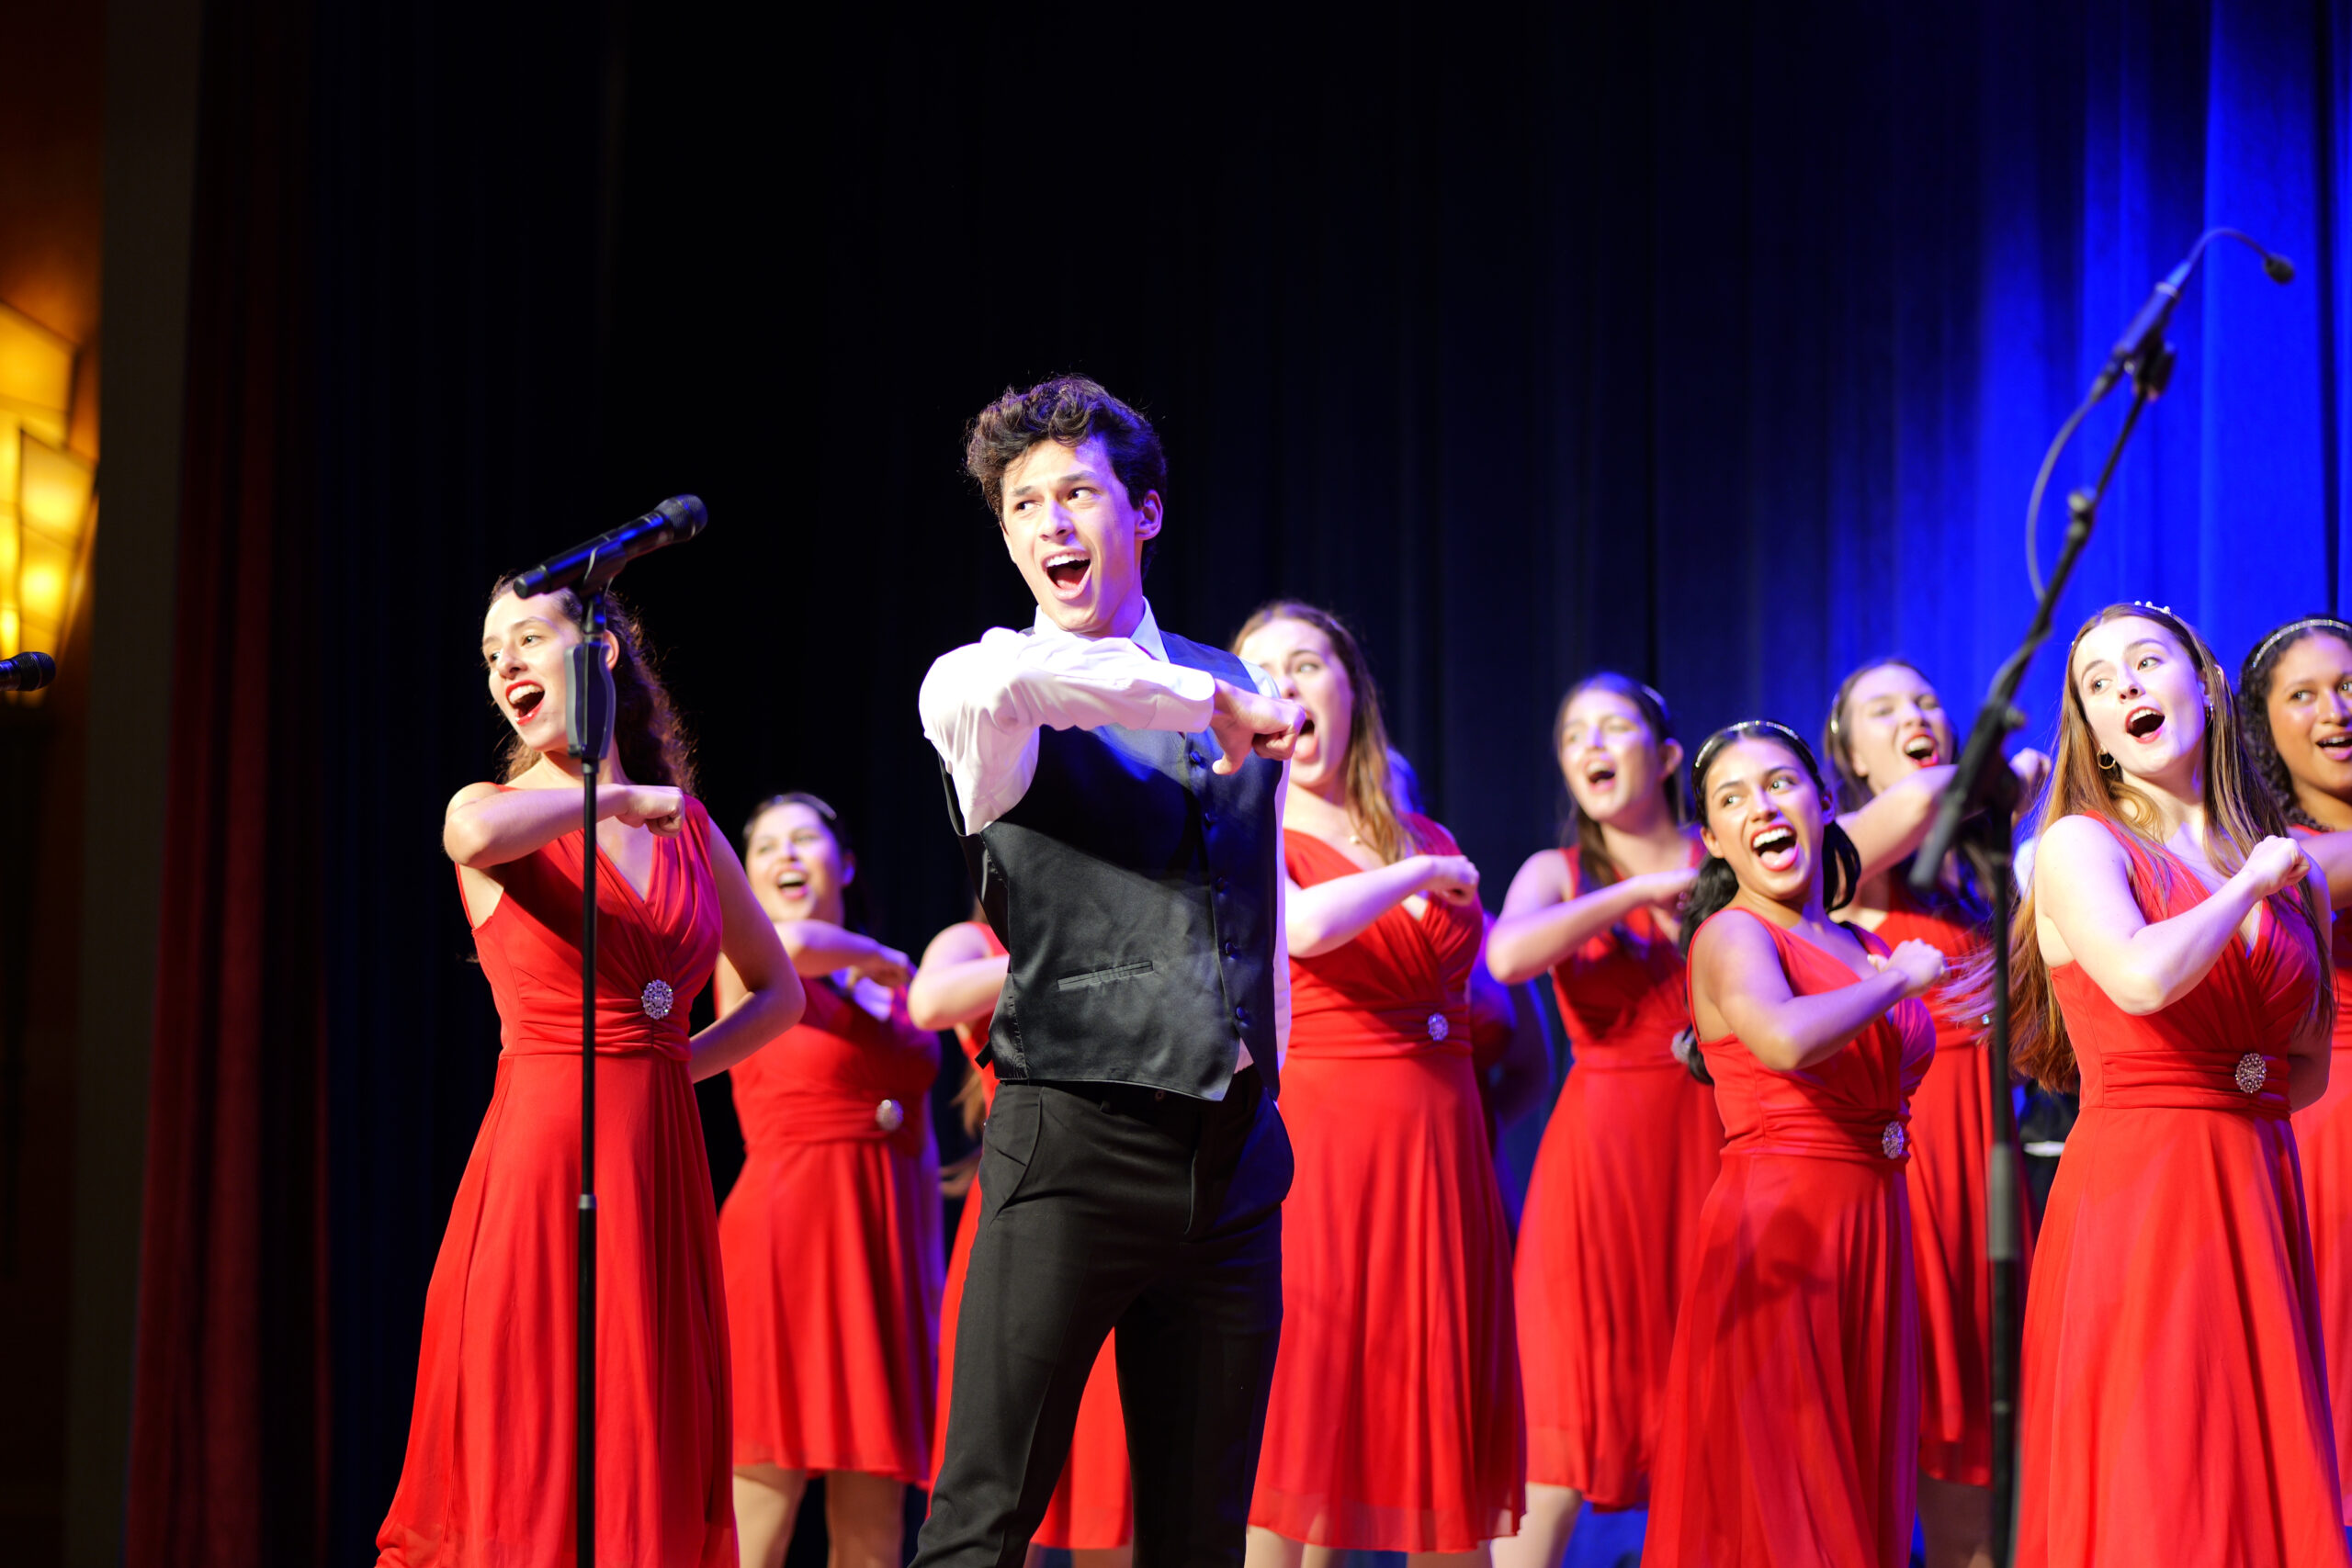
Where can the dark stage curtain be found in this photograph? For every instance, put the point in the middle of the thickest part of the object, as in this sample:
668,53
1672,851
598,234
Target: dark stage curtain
1716,344
229,1453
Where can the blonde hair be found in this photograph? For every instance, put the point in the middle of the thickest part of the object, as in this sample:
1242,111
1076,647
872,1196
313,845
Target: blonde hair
2239,813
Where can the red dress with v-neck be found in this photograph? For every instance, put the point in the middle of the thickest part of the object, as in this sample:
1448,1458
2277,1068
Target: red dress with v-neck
1093,1504
1791,1434
1952,1127
2324,1142
831,1241
1393,1422
488,1480
1612,1225
2172,1402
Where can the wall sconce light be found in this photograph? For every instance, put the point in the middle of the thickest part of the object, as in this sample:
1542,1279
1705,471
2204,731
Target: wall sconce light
47,492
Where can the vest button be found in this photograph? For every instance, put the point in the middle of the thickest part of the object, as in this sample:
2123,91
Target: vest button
1218,884
1241,1016
1193,757
1208,819
1231,947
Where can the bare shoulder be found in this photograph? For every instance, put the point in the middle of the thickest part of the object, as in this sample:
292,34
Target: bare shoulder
959,943
1730,936
1542,880
2074,845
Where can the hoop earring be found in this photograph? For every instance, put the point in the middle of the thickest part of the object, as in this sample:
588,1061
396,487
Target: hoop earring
2105,762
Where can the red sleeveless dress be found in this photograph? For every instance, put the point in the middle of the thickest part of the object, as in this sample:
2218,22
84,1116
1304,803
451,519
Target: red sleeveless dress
1610,1229
1793,1405
2324,1139
1952,1128
488,1480
1093,1505
832,1242
2173,1404
1394,1423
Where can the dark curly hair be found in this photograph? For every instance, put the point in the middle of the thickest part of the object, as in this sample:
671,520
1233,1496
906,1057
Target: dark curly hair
2253,706
1067,409
648,733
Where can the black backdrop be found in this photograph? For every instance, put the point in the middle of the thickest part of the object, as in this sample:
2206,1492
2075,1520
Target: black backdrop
1527,338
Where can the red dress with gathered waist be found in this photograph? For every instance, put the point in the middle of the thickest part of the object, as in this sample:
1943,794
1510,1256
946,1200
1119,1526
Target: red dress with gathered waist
2324,1141
488,1480
1394,1423
1951,1136
2173,1405
1791,1434
1612,1224
831,1241
1093,1505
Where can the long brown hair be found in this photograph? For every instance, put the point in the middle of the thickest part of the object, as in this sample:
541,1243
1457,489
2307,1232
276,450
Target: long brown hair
2239,812
1371,792
648,733
1595,870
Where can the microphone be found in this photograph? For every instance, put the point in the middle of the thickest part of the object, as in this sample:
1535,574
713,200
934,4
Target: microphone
27,672
591,565
2146,335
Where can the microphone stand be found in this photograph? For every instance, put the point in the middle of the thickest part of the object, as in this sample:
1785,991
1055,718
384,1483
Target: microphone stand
1975,814
588,729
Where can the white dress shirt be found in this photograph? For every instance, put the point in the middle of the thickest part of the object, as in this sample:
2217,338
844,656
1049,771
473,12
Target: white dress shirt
983,704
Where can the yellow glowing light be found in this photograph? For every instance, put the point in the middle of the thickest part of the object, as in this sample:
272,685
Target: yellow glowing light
52,488
36,374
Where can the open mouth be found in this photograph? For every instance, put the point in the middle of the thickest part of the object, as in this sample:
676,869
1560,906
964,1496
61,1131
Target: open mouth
1775,848
792,883
525,698
1067,569
2142,724
1598,774
1923,750
2338,746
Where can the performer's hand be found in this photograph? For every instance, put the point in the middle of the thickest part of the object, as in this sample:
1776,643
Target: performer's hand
885,966
2031,767
659,807
1451,878
1669,891
1246,722
956,1177
2277,866
1920,964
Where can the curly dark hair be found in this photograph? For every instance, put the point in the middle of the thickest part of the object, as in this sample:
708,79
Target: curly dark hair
1069,410
648,733
2253,706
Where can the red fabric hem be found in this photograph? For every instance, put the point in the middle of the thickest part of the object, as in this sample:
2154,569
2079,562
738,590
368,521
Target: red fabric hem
1361,1529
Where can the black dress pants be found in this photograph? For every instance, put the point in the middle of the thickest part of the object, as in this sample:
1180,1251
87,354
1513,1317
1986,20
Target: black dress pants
1107,1206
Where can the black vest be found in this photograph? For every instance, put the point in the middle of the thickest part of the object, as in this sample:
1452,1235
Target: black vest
1137,892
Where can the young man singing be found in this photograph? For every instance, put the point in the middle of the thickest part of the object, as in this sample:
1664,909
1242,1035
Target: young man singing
1118,790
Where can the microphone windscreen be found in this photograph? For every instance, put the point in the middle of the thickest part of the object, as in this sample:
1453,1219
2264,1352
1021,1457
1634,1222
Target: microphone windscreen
685,512
2280,269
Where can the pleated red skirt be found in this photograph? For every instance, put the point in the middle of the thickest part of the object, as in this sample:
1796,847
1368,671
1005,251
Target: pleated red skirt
1790,1437
1606,1247
833,1290
1093,1505
488,1481
1395,1421
2323,1136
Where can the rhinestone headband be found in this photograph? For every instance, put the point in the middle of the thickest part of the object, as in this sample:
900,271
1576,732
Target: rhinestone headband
1730,733
2296,628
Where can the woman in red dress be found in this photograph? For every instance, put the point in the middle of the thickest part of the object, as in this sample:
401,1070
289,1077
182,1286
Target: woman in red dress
1394,1420
2297,689
1092,1512
1791,1433
2173,1403
832,1233
488,1480
1886,723
1607,1240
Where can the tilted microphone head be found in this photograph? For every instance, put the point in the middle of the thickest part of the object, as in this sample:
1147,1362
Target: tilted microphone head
27,672
2280,269
685,514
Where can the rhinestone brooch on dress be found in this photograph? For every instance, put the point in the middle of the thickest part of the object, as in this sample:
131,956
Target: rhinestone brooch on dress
889,1116
1438,1028
1894,1141
657,999
2252,1074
